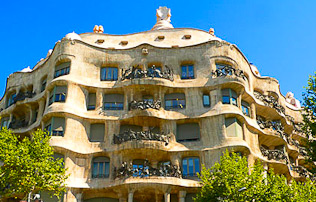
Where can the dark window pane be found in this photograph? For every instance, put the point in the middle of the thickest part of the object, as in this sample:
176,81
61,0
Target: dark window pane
226,100
206,100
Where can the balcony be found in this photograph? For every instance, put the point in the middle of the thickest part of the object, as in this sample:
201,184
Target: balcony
135,73
145,104
277,155
270,101
145,170
227,70
22,96
18,124
131,135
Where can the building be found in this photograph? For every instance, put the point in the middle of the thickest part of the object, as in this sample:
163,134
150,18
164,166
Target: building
135,116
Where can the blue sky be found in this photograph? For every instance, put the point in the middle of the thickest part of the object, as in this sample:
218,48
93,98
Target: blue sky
279,37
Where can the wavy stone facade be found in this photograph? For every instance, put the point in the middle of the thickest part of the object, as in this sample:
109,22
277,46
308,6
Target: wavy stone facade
135,116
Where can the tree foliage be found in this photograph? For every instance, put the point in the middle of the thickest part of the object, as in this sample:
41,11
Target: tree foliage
310,121
28,165
230,180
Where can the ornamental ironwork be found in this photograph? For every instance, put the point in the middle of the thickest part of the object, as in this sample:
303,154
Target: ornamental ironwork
146,170
275,154
131,135
227,70
156,104
270,101
22,96
135,72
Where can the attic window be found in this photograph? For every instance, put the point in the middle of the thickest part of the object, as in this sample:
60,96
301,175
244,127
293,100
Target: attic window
100,40
124,43
161,37
187,37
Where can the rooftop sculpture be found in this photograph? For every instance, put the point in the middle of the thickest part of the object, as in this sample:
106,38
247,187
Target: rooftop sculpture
163,19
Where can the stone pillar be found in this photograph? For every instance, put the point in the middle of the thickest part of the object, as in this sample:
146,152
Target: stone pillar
167,196
130,196
32,114
99,100
41,108
182,195
122,197
79,197
253,110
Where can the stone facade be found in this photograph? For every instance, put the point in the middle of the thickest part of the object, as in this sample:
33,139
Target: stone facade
135,116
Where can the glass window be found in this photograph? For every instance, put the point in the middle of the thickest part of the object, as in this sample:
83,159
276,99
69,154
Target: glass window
187,72
91,101
190,167
229,96
224,69
58,94
62,69
11,100
175,101
109,74
113,102
43,84
245,108
206,100
55,126
97,132
154,71
233,128
188,132
101,167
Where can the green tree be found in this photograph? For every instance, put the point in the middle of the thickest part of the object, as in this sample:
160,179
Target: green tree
230,180
28,165
310,121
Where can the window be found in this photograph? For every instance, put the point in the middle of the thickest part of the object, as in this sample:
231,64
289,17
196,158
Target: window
109,74
224,69
58,156
245,108
139,166
148,98
55,126
11,100
190,167
101,167
154,71
62,69
233,127
206,101
58,94
188,132
187,72
43,83
229,96
175,101
113,102
97,132
5,122
91,101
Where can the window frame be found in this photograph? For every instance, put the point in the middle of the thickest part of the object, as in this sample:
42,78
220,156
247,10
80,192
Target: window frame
188,174
186,72
232,100
209,100
105,167
49,128
57,97
176,103
63,71
245,108
104,74
113,105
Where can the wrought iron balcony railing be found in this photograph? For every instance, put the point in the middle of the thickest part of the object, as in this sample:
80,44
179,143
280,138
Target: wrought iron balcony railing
275,154
153,72
142,171
156,104
131,135
228,70
22,96
270,101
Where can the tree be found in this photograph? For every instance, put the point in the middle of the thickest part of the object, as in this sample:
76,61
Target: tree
230,180
310,121
28,165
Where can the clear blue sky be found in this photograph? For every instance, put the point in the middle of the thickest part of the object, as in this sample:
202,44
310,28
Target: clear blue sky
279,37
